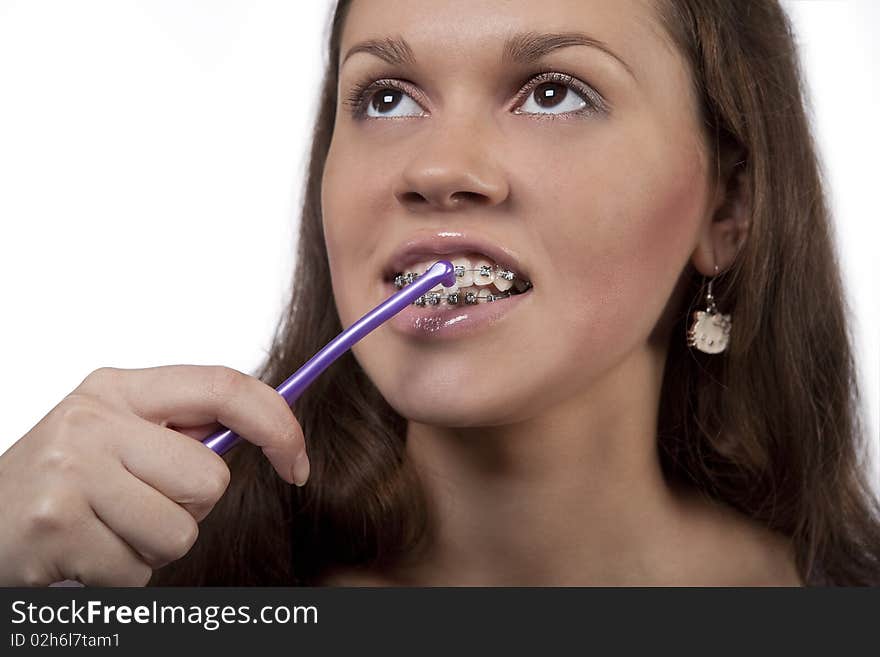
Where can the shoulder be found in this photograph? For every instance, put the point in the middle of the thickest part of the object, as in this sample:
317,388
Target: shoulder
748,553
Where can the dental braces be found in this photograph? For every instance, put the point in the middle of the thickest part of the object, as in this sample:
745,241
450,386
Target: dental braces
485,271
455,298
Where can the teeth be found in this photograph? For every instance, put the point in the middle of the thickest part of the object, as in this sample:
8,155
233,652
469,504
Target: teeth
469,295
462,266
422,267
504,279
473,273
485,274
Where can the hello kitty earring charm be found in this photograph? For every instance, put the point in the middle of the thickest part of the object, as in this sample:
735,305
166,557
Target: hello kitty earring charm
710,331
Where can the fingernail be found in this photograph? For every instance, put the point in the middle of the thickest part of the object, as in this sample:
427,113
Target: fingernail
301,469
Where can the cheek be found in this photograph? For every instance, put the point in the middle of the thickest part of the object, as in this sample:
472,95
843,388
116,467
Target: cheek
352,228
333,207
631,222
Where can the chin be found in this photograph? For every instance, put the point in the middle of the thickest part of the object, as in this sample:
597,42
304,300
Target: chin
457,407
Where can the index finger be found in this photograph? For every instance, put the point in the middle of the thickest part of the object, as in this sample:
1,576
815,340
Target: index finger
191,395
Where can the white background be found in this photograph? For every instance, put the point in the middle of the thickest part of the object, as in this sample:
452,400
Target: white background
152,156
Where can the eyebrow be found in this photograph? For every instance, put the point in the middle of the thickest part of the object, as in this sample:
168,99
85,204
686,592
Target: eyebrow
521,48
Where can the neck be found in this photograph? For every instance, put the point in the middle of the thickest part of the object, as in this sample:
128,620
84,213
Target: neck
573,495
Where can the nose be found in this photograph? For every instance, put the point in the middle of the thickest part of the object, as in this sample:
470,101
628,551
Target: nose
451,168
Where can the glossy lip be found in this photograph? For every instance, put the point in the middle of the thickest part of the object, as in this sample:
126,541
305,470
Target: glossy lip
425,246
447,322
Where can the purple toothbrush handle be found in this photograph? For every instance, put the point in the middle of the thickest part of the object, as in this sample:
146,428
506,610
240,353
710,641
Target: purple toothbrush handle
441,272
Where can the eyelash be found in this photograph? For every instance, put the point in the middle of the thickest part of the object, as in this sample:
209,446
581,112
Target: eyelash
358,98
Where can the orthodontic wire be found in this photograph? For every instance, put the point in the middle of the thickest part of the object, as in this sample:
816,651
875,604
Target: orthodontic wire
428,298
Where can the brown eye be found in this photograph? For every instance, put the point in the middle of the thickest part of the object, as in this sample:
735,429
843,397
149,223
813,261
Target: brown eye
549,94
386,100
389,101
557,93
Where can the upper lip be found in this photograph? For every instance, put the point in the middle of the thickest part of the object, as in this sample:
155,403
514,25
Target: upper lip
425,246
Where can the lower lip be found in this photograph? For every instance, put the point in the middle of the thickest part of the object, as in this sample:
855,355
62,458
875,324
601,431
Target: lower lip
445,322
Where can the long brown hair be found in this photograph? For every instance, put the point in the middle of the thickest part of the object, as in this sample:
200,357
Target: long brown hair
771,427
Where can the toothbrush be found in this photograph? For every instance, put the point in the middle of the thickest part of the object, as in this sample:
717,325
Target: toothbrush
441,272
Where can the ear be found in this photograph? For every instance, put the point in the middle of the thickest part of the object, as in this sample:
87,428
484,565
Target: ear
725,229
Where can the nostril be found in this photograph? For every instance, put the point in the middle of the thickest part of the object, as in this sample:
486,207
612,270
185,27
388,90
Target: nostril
453,200
413,198
473,197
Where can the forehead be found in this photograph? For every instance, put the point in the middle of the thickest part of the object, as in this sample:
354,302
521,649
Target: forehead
454,31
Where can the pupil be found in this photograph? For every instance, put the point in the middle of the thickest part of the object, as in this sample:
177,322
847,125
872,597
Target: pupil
548,94
386,99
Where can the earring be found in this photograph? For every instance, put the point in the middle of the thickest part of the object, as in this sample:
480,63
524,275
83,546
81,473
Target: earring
710,331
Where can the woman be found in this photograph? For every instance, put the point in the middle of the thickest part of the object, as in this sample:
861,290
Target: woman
634,163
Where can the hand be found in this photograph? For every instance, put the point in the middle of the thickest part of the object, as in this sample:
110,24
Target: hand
113,481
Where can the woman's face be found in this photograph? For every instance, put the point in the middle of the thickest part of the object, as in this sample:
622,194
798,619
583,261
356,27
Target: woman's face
597,185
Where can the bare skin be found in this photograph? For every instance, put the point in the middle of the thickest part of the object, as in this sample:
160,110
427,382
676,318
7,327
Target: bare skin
111,484
552,478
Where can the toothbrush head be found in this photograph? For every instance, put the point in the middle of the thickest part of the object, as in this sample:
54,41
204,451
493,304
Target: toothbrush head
445,268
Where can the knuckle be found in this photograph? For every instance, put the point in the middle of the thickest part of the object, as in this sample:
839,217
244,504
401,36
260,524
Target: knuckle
82,568
59,460
99,378
297,441
156,556
218,479
32,576
105,373
47,514
224,381
78,410
140,575
211,484
157,560
288,425
183,539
